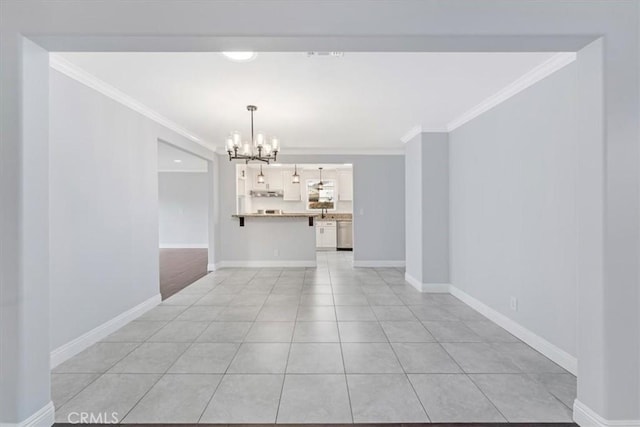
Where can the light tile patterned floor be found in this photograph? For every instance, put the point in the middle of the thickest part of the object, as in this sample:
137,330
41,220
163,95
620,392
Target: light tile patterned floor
332,344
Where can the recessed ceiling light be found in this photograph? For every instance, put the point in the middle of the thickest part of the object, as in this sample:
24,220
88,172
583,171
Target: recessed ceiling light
177,161
240,56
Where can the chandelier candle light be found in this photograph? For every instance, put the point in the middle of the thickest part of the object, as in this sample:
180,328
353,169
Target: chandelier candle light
257,149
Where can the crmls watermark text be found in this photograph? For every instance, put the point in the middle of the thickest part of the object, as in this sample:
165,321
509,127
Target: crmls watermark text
93,418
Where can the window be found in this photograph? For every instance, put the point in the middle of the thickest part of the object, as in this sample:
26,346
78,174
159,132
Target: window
321,199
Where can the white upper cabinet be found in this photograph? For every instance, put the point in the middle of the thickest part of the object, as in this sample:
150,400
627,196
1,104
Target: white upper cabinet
345,185
273,177
292,191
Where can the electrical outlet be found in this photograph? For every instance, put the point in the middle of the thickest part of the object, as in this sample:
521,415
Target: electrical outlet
513,303
276,252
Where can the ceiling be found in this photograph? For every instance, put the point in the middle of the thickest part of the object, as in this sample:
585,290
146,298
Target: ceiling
172,159
356,101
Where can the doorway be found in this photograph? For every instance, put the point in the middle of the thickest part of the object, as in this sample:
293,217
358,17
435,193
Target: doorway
183,213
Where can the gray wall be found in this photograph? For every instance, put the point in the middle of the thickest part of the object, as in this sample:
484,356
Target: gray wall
378,206
413,207
427,209
183,208
103,208
435,208
513,208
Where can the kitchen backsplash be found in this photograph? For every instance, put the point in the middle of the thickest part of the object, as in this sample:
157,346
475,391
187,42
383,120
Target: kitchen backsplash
292,207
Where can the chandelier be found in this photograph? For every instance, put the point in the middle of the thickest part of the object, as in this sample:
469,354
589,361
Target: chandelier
257,149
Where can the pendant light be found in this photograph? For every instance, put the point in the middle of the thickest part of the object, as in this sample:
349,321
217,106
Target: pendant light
320,184
260,176
295,178
258,148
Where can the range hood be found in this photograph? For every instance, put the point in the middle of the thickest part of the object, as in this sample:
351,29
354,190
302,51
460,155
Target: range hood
266,193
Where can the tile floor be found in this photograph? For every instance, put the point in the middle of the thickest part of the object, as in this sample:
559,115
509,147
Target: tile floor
326,345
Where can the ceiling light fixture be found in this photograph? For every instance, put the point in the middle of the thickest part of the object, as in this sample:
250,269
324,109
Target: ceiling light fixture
256,149
295,178
320,184
177,161
240,56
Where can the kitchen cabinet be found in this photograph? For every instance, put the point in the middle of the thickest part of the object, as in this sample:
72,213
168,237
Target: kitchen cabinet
292,191
345,185
326,235
273,177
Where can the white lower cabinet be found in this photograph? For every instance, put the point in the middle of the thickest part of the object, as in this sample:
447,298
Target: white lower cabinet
326,235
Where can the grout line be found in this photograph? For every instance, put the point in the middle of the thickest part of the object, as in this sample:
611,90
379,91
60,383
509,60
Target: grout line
98,375
344,365
473,382
415,393
219,382
143,396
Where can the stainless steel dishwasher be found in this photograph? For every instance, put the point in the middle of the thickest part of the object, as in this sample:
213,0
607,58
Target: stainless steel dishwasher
345,235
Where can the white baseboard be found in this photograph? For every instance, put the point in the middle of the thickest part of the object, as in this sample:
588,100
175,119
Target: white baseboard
378,263
426,287
44,417
559,356
183,246
70,349
262,264
586,417
212,267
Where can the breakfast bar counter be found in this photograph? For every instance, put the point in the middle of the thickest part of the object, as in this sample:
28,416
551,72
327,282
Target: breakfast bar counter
282,215
309,217
272,240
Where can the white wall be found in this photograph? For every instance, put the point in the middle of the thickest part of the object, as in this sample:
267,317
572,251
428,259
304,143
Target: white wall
103,207
513,208
183,209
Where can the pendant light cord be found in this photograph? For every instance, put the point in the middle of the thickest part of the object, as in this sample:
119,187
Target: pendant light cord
253,141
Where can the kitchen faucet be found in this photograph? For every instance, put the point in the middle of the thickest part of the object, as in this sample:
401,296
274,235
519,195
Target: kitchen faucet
322,212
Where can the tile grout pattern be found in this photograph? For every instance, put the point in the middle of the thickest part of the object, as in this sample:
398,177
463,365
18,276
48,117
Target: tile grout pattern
332,344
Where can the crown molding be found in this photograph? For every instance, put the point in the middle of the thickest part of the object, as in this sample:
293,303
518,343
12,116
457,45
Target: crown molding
411,133
553,64
417,130
73,71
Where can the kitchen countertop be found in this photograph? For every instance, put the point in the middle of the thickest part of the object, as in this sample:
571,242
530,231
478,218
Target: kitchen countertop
337,217
328,217
284,215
